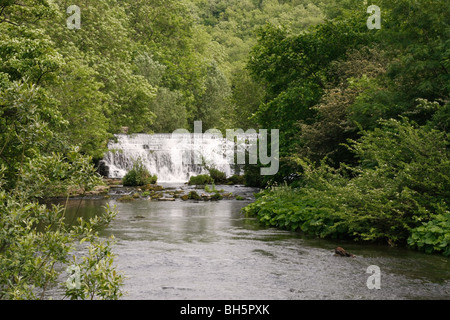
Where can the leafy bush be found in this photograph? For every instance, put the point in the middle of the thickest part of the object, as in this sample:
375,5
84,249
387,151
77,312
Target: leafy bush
433,236
57,175
193,195
216,197
217,176
29,255
400,191
200,180
236,179
36,243
139,176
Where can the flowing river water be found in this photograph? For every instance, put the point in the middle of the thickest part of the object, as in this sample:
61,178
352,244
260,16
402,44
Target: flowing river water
210,250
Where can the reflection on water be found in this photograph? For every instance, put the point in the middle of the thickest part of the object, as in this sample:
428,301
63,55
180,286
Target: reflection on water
208,250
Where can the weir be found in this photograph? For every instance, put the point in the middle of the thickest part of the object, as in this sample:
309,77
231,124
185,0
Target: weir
172,157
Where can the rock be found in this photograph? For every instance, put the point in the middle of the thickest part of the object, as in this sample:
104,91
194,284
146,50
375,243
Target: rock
216,197
153,187
194,196
166,199
98,190
341,252
126,198
103,168
185,197
156,196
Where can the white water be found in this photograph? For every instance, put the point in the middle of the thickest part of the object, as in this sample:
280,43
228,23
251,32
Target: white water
173,158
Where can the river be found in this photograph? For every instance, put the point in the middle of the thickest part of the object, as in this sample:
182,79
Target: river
209,250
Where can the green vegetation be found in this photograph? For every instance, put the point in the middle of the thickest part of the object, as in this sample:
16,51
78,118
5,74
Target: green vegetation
215,177
126,198
200,180
363,117
218,176
364,125
211,189
399,185
193,195
236,179
216,197
139,176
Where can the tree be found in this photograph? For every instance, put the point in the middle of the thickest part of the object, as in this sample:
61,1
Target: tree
38,161
336,121
417,34
215,101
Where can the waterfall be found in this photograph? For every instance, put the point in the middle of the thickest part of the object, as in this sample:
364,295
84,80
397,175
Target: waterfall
172,157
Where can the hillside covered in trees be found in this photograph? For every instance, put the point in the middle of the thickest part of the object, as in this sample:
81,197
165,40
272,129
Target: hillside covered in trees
363,113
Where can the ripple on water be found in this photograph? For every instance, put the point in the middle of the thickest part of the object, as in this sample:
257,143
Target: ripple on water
182,250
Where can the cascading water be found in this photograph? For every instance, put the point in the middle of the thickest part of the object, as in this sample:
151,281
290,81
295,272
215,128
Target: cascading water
172,157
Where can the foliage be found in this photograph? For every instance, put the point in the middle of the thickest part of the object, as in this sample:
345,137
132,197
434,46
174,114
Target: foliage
387,91
417,33
433,236
34,240
216,197
401,182
295,70
98,277
200,180
211,189
43,150
139,176
236,179
217,176
58,176
193,195
336,119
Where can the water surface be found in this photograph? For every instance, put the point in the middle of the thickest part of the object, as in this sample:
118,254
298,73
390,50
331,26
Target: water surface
209,250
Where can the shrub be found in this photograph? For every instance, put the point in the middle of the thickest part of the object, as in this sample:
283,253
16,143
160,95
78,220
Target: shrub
139,176
200,180
32,258
217,176
216,197
433,236
194,196
398,194
236,179
253,177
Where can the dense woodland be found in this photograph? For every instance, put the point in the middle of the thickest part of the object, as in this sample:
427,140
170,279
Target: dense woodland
363,115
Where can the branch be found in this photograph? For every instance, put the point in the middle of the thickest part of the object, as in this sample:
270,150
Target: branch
10,22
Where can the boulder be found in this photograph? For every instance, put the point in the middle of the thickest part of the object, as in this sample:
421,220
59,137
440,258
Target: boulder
341,252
